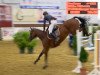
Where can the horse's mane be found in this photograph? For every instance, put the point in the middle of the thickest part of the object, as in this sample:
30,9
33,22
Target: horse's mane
38,30
83,20
83,25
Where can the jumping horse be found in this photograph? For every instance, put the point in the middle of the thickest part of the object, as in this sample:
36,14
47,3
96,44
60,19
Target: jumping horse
69,26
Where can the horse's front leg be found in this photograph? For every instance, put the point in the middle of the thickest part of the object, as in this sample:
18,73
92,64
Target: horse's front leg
39,56
46,59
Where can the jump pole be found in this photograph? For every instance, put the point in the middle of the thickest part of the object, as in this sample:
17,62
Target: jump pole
96,70
79,64
80,38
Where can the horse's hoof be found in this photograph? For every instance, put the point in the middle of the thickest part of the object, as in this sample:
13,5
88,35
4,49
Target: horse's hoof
44,67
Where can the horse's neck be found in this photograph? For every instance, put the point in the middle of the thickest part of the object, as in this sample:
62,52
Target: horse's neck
64,30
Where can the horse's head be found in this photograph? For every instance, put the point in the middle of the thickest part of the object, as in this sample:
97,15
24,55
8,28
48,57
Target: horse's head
83,25
32,34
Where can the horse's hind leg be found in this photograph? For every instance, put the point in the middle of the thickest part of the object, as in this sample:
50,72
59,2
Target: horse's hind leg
39,56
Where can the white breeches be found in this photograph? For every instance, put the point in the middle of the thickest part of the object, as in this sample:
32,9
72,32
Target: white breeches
53,23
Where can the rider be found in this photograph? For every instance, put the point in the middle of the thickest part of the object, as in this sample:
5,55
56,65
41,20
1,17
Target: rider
52,22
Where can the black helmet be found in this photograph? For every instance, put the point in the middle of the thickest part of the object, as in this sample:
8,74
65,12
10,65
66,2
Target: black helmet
45,13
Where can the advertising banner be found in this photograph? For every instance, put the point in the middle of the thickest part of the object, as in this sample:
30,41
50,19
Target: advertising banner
35,16
40,4
99,10
82,7
82,0
5,16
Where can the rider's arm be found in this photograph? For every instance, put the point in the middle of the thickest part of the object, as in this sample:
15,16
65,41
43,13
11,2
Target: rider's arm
49,21
44,24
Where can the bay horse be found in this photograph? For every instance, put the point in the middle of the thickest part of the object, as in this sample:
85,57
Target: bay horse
69,26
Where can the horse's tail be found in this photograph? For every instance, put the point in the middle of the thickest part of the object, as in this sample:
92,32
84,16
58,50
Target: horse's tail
83,25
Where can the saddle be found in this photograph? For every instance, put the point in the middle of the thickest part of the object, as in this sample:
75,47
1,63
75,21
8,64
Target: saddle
55,34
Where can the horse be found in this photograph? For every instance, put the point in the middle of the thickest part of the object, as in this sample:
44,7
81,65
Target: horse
68,27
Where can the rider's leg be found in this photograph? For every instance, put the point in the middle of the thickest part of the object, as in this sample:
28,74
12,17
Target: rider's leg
51,28
53,23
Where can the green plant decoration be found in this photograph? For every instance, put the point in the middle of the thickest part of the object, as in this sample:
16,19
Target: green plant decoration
75,44
31,45
83,55
22,41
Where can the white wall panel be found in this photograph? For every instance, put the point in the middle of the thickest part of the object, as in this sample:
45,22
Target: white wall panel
11,1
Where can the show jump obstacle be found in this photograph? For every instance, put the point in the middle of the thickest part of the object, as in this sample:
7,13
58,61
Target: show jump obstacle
96,70
79,45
